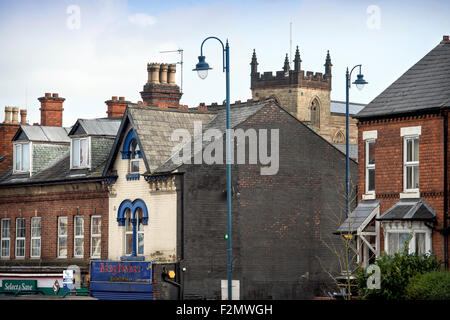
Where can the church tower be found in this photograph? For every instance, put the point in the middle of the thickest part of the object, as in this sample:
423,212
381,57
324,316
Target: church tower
306,95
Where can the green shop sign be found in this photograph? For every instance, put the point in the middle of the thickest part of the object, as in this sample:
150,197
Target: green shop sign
16,285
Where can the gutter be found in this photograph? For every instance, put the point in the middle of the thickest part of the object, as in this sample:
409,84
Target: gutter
55,182
445,147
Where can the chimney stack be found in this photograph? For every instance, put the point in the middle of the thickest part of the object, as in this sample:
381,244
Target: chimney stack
15,115
51,110
116,107
161,89
23,116
8,111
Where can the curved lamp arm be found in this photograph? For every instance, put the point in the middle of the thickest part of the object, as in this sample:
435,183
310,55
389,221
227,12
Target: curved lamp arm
225,67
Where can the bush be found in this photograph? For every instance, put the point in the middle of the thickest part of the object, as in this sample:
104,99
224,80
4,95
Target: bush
396,271
429,286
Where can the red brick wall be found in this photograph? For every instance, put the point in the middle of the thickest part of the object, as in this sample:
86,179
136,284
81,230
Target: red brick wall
49,206
389,164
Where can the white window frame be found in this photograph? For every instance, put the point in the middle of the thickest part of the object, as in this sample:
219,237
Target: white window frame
88,165
23,239
369,166
96,235
408,227
75,236
15,155
62,236
139,232
3,238
35,237
412,164
407,133
128,216
369,136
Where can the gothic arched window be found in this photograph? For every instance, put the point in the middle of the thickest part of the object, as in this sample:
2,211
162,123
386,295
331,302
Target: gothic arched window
315,113
339,137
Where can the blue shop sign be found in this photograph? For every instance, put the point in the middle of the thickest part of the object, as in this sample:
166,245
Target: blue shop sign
122,271
119,280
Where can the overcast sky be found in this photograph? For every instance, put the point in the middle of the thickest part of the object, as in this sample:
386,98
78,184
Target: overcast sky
88,51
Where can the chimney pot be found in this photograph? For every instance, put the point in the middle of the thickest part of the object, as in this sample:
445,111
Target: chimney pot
121,98
47,94
55,95
15,115
7,115
114,98
446,38
23,116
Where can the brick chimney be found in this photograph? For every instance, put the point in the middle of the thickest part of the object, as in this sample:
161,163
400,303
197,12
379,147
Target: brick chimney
161,89
51,110
116,107
7,131
445,39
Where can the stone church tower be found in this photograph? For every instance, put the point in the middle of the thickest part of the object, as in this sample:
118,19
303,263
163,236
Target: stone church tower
306,95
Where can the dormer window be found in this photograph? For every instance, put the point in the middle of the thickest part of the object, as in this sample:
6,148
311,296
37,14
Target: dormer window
80,153
22,156
134,156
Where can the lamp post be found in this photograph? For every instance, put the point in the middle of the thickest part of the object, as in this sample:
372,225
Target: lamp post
202,69
359,82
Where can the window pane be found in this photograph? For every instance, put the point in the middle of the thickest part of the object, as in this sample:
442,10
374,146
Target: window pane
96,225
35,227
128,243
96,246
18,157
371,158
140,243
371,185
26,157
409,150
5,248
409,178
393,242
134,166
415,177
416,149
128,225
420,243
35,247
79,226
62,226
5,228
20,247
79,247
20,228
403,239
76,152
83,153
62,247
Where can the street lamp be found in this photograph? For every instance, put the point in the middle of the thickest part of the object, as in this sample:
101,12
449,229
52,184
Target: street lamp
360,83
202,69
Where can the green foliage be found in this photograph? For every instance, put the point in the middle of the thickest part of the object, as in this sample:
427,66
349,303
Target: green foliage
429,286
396,271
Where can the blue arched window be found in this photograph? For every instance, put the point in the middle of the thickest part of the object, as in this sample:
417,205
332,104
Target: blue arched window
130,146
133,215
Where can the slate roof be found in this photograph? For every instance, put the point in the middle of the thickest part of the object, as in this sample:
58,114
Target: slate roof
409,209
339,107
238,114
154,127
352,150
96,127
42,134
425,86
358,216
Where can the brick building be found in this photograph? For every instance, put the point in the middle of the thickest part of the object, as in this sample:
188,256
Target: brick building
306,95
403,167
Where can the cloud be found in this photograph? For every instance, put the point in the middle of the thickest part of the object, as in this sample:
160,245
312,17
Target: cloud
142,19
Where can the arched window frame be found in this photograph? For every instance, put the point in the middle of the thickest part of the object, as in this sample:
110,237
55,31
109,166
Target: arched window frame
315,112
139,216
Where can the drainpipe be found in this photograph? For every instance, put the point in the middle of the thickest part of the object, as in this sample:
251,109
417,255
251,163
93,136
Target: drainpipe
445,228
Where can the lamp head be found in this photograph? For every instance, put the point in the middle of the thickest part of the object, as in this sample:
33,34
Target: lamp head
202,67
360,82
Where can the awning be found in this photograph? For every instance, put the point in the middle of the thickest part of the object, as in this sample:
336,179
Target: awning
362,215
409,209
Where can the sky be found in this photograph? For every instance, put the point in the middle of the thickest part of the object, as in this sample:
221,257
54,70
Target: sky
89,51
